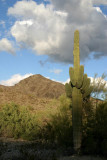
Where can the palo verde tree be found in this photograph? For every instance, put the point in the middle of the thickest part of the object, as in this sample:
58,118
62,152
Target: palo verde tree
78,88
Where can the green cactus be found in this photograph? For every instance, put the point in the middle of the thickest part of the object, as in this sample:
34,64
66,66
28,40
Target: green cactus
68,89
76,117
78,88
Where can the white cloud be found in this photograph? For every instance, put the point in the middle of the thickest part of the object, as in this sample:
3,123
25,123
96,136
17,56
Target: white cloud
98,9
56,71
15,79
40,28
67,81
50,29
6,45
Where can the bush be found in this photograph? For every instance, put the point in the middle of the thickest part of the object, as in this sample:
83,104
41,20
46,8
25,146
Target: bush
17,122
95,132
59,128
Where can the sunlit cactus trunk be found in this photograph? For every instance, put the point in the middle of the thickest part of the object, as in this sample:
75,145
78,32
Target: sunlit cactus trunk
76,117
76,96
77,89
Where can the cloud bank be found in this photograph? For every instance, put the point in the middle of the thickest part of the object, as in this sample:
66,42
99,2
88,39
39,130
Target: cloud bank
49,29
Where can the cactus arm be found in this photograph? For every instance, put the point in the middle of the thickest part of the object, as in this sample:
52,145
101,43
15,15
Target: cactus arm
71,74
68,89
87,92
80,76
86,85
84,81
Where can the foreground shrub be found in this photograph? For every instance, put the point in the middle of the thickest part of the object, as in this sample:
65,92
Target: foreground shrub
16,121
59,128
95,132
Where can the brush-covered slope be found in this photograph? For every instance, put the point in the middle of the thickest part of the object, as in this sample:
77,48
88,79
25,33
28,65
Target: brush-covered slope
40,87
31,91
36,91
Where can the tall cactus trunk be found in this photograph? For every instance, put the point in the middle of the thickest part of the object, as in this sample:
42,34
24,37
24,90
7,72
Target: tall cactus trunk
76,117
76,96
77,89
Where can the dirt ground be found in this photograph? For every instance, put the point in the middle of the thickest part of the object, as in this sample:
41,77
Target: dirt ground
11,149
74,157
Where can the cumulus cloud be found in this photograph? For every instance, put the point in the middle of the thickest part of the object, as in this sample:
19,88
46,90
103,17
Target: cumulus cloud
40,28
56,71
6,45
50,29
15,79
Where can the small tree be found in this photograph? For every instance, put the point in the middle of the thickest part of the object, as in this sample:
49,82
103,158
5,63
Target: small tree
99,86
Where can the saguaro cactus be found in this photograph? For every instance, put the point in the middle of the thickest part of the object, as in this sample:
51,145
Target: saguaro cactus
77,89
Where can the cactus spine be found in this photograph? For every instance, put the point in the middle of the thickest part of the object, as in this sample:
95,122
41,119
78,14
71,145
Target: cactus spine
78,88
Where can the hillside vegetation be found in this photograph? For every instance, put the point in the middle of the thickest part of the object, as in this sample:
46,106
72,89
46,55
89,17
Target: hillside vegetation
48,119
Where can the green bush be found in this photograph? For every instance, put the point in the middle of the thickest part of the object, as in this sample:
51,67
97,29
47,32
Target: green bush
17,121
59,128
95,132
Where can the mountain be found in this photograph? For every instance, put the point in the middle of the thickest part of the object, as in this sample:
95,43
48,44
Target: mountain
36,91
31,91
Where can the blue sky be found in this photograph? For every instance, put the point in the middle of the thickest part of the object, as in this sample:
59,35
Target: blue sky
36,37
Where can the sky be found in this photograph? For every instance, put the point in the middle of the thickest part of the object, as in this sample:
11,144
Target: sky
36,37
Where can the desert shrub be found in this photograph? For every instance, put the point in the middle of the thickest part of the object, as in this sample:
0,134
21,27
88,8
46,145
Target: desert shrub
88,110
59,128
99,87
95,131
16,121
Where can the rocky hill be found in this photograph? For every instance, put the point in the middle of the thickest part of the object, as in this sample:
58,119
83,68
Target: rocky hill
35,91
31,91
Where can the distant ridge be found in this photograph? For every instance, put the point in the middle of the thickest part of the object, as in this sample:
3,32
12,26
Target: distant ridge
40,87
29,90
36,91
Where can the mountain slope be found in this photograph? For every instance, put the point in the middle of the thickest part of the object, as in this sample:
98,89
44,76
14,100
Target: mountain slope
40,87
36,91
31,91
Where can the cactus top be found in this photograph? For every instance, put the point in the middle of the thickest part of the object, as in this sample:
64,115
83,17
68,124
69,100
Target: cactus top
76,52
76,39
